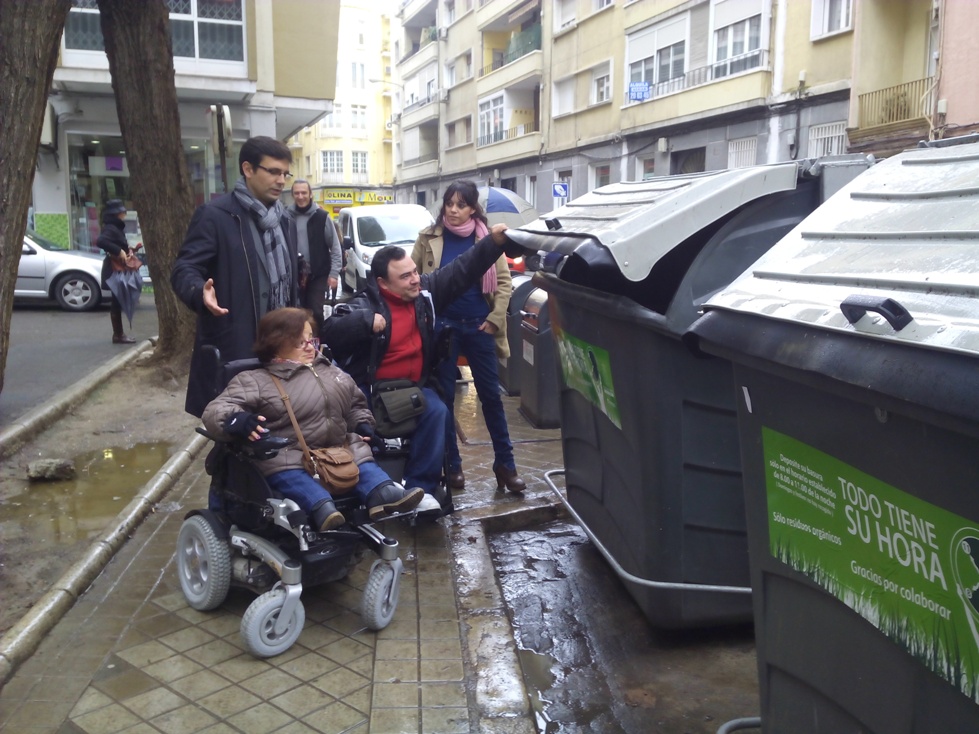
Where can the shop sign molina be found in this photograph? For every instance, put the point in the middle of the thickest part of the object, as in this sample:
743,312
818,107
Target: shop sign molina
906,566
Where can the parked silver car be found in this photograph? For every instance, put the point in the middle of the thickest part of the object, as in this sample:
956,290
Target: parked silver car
48,271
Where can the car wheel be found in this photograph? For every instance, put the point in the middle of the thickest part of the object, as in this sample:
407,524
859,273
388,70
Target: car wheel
77,292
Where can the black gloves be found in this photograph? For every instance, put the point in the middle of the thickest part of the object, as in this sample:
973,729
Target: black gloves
366,430
241,424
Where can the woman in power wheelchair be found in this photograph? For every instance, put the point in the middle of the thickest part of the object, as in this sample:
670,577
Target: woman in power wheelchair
266,511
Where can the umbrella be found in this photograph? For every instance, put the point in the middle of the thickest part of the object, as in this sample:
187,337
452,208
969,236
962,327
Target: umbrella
502,205
126,285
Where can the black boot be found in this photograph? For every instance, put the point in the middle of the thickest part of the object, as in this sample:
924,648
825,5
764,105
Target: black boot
118,335
325,516
390,498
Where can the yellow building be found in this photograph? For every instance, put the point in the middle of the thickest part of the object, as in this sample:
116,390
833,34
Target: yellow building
270,65
524,94
346,156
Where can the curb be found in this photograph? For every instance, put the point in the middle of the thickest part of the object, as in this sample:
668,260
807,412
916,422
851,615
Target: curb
24,428
21,640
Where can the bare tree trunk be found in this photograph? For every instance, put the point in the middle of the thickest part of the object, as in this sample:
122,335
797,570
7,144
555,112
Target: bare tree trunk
30,36
137,42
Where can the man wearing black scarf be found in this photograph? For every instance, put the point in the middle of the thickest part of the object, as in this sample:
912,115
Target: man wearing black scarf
318,248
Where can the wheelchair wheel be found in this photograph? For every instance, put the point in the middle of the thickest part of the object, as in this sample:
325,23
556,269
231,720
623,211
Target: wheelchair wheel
203,564
380,596
258,625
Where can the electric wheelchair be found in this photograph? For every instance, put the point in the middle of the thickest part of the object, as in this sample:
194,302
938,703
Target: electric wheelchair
250,536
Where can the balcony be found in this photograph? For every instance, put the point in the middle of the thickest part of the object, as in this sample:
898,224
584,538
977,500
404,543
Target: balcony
753,61
521,44
507,145
499,136
903,103
419,112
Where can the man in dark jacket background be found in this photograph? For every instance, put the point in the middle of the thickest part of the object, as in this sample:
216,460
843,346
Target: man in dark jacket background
393,321
238,262
319,247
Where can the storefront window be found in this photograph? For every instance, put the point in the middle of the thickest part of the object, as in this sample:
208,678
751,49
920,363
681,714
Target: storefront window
99,171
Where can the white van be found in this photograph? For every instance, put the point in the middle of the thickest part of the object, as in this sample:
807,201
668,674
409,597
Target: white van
366,229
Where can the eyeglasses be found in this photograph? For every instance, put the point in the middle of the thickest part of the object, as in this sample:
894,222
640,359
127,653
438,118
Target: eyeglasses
313,342
275,172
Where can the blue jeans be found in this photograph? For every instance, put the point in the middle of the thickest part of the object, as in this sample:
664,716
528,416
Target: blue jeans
297,485
480,351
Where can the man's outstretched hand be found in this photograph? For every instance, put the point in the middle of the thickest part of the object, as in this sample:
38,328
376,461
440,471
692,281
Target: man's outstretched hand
497,233
211,299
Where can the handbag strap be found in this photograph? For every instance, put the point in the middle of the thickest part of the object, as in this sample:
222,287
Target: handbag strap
292,417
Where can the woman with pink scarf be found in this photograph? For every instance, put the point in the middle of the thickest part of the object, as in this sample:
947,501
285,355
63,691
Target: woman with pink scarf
478,323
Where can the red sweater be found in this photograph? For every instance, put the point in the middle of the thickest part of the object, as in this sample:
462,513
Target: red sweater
404,354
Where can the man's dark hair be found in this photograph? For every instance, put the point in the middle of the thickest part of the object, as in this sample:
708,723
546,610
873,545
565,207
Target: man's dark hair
301,181
382,260
254,149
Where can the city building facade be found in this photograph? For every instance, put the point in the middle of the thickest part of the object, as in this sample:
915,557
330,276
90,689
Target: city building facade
252,67
526,94
346,157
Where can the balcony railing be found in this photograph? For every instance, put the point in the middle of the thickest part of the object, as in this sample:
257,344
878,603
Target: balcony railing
498,136
900,103
757,59
418,103
424,158
520,45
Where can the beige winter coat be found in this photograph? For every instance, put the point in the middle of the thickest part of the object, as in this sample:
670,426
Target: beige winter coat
326,401
427,255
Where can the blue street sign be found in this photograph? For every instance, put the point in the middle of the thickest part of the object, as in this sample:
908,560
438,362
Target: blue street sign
560,190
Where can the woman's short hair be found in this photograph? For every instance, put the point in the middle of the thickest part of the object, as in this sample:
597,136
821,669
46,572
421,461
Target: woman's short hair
279,329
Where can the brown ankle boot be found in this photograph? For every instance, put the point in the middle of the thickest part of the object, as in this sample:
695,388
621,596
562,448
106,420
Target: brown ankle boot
507,479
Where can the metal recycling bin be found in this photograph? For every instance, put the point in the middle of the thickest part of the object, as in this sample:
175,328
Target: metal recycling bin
539,395
855,352
511,368
649,432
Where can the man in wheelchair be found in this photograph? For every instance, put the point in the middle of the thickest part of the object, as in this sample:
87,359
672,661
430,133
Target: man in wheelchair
387,332
327,408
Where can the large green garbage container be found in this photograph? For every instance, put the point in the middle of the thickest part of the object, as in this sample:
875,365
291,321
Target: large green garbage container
649,432
855,351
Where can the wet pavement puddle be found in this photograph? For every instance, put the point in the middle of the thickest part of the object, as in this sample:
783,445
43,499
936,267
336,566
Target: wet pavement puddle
590,659
79,509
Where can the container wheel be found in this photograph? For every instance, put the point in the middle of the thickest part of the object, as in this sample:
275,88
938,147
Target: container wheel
203,564
380,597
258,625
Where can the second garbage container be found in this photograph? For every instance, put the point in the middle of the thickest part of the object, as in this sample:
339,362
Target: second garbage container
649,432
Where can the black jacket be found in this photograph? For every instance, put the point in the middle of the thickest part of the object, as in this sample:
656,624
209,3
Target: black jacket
112,239
220,245
349,331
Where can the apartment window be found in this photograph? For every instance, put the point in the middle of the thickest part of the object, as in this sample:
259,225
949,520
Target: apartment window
599,4
657,56
358,116
831,16
468,126
450,74
450,135
332,161
450,12
491,120
564,13
531,197
199,29
601,175
828,139
601,84
562,100
357,77
736,47
308,169
358,161
742,153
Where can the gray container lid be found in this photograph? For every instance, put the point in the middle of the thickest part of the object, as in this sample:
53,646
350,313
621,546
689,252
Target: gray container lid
907,230
639,222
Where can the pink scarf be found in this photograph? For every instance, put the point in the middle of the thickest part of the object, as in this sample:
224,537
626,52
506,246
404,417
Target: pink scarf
489,281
